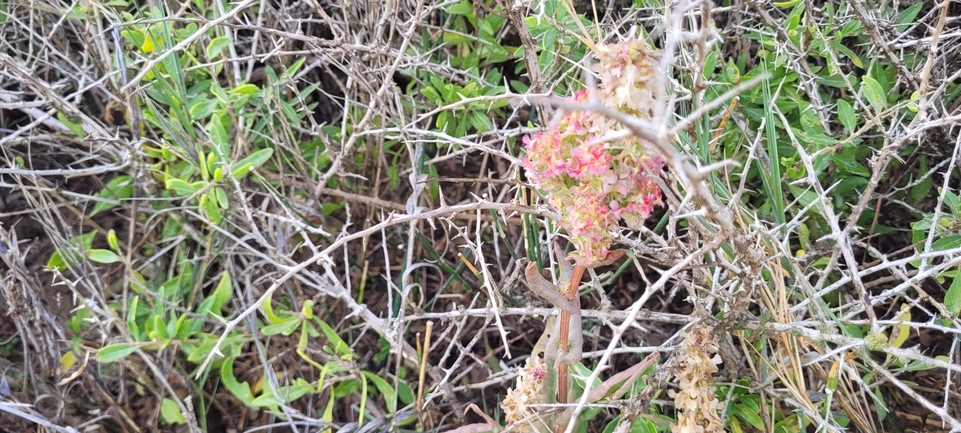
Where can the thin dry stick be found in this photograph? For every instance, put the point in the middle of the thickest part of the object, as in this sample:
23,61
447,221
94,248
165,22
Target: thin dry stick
372,320
423,365
388,82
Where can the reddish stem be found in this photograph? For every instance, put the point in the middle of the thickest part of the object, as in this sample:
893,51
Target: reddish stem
564,334
562,369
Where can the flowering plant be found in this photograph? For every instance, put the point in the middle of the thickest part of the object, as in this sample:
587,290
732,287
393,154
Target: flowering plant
593,184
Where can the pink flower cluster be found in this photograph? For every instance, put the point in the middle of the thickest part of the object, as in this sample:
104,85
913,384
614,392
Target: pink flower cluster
595,185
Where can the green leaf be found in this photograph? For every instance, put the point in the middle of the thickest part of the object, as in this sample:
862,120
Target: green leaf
230,348
132,317
832,81
221,294
182,187
643,425
609,428
787,4
481,122
952,299
285,327
187,328
269,312
134,37
732,73
338,345
290,113
748,416
946,243
218,132
204,172
791,424
771,176
74,127
485,28
384,388
212,210
849,28
346,388
202,109
217,45
251,162
112,239
115,352
294,67
246,90
221,197
874,92
118,188
241,390
846,115
56,261
442,119
710,63
462,8
103,256
171,412
921,190
404,393
284,394
907,16
848,53
68,256
849,165
330,207
751,402
952,200
880,404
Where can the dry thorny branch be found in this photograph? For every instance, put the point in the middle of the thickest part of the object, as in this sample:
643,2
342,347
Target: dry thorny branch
742,276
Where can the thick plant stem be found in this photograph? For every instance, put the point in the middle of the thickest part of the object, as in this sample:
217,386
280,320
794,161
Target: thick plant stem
562,370
564,335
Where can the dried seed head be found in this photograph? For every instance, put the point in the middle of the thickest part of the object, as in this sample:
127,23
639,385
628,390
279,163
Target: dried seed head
696,403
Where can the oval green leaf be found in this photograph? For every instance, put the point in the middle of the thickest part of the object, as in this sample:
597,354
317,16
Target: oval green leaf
286,327
872,90
384,387
112,239
221,294
171,412
183,187
103,256
216,46
115,352
246,90
846,115
252,161
952,299
221,197
339,346
119,188
213,211
850,166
